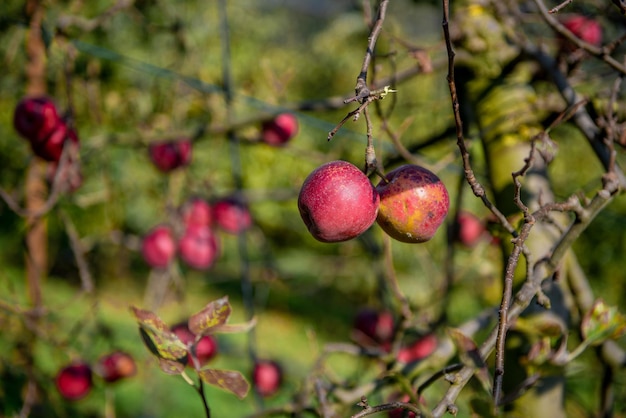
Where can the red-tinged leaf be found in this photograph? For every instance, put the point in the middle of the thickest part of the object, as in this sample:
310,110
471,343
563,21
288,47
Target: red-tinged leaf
157,336
215,314
470,356
171,366
229,380
602,322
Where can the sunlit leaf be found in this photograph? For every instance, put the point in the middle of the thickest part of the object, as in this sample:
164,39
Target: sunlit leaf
214,315
602,322
157,336
229,380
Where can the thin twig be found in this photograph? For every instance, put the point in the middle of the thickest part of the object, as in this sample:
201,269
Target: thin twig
511,265
558,7
361,89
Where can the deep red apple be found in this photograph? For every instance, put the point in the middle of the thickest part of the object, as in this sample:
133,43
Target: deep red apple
468,229
337,202
158,247
413,204
232,215
74,381
51,147
267,376
115,366
377,327
170,155
184,334
279,130
35,118
585,28
418,350
197,212
203,350
198,247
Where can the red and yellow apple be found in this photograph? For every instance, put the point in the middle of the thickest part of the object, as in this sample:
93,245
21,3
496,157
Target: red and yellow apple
414,202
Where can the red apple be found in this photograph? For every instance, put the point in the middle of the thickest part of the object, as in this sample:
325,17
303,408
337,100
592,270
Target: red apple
377,327
267,377
170,155
585,28
115,366
337,202
418,350
184,334
231,215
158,247
203,350
197,212
74,381
198,247
51,147
279,130
468,229
35,118
413,204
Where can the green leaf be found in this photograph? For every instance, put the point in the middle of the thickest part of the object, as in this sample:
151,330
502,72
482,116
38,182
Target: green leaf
214,315
602,322
157,336
229,380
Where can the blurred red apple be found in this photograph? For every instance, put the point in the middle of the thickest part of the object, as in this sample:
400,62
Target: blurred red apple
377,326
184,334
170,155
468,229
51,148
198,247
279,130
231,215
203,350
337,202
35,118
158,247
197,212
585,28
413,204
115,366
267,376
74,381
418,350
